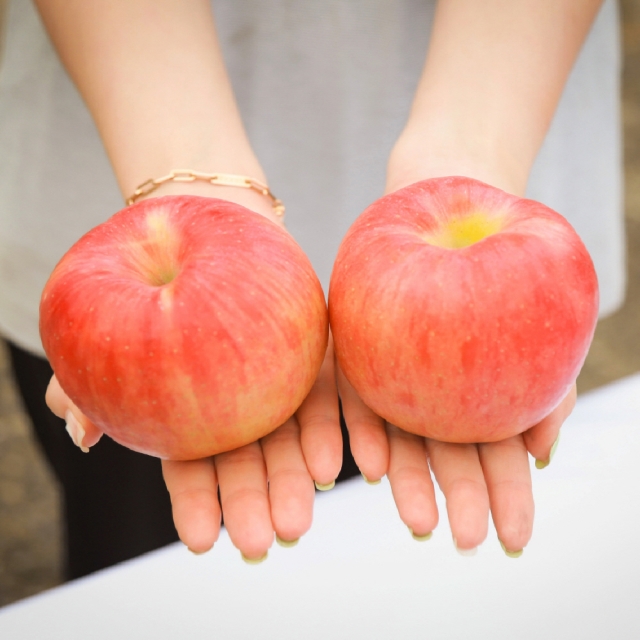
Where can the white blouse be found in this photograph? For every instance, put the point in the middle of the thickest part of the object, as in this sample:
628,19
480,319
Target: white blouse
324,89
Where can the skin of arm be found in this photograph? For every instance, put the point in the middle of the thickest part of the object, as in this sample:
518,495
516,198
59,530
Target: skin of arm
492,80
152,75
154,80
493,76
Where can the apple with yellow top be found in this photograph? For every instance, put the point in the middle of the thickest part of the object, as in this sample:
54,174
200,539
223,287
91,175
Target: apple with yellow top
185,326
461,312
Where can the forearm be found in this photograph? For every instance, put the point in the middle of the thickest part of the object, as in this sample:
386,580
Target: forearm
152,74
494,74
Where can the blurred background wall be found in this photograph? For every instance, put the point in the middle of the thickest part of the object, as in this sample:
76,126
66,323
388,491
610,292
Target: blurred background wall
29,502
615,351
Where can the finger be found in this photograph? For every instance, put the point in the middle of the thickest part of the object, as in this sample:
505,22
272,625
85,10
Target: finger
82,431
242,477
459,474
542,439
193,487
367,435
291,491
411,482
319,420
506,471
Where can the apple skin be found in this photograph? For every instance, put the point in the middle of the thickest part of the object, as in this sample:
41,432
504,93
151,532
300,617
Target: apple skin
471,344
185,326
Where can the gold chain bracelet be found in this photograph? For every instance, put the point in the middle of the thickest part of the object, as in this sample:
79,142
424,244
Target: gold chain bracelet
221,179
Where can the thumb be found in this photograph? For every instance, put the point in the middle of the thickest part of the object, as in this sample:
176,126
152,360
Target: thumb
82,431
542,439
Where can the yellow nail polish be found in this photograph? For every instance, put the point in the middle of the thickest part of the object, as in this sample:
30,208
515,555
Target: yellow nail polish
424,538
371,482
255,560
325,487
287,544
541,464
510,554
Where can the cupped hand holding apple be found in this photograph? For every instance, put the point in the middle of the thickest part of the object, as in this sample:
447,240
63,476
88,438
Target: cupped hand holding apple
461,314
482,108
266,479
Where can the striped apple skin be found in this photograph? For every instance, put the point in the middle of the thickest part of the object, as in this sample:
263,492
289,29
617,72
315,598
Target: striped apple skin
470,344
185,326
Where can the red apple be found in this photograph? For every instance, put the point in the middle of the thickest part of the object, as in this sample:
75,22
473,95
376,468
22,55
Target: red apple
185,326
461,312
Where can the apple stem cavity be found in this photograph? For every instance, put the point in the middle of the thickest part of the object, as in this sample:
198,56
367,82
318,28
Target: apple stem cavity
155,256
460,232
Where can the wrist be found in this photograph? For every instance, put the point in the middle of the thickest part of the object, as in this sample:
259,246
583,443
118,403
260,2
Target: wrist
243,190
420,154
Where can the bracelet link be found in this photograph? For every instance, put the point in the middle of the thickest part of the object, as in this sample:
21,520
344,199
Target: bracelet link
183,175
230,180
218,179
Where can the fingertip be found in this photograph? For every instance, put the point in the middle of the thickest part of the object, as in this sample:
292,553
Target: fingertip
370,450
199,553
252,560
415,501
469,524
420,537
420,516
82,431
324,464
291,508
372,470
544,463
464,548
197,523
369,481
287,543
541,439
56,398
199,542
256,549
326,486
514,521
513,542
248,523
322,446
511,553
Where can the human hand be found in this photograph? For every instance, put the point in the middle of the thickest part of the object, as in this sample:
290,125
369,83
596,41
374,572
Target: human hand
475,478
265,487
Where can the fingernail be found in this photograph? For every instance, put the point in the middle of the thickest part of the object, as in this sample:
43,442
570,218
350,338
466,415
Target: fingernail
371,482
198,553
287,544
465,552
541,464
510,554
255,560
424,538
75,430
325,487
